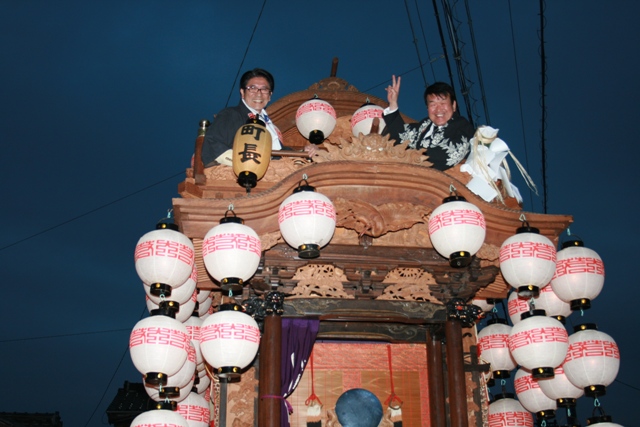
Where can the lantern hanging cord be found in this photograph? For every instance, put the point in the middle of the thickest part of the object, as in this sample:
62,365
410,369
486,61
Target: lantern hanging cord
312,397
169,213
452,189
393,397
523,218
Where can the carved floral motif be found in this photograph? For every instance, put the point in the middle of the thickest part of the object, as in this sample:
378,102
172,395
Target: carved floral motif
409,284
317,280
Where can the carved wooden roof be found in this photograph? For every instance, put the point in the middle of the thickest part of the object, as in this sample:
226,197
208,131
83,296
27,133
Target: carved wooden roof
383,195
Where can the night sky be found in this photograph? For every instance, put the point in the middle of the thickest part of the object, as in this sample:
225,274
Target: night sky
100,107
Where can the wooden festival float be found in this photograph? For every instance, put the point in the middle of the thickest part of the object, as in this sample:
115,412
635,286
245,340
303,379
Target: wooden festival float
395,318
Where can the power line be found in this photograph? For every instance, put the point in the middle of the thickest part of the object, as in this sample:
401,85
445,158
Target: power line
515,60
106,389
246,51
46,230
65,335
415,42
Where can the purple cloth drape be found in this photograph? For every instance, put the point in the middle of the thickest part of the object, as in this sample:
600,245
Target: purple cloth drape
298,336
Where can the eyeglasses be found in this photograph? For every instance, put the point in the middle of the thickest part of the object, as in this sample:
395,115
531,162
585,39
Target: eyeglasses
255,89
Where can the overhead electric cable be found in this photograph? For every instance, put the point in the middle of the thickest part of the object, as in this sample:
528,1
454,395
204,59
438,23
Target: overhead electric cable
24,239
415,42
424,40
478,68
543,124
457,56
144,310
444,44
246,51
515,60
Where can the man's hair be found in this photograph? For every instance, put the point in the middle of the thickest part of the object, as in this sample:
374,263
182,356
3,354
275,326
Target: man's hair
440,89
257,72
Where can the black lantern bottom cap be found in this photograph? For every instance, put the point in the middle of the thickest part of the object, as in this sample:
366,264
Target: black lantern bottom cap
169,392
229,373
460,259
308,250
596,390
599,419
501,374
528,291
543,372
566,402
231,284
545,415
247,179
170,405
580,304
316,137
155,379
158,289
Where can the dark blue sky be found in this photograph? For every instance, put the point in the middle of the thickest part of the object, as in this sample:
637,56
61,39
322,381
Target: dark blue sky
100,106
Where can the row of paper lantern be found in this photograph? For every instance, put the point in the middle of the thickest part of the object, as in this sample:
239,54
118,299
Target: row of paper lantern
528,260
504,410
316,119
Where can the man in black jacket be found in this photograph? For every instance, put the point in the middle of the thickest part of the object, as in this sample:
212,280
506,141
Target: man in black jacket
444,134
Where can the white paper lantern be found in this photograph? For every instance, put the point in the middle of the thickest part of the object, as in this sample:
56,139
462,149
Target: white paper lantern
457,230
602,421
231,252
493,347
485,304
552,305
516,306
202,385
193,325
593,360
195,409
539,343
164,258
159,346
527,261
180,294
316,119
203,295
505,411
363,117
205,306
181,380
579,275
307,221
159,418
532,397
229,340
560,389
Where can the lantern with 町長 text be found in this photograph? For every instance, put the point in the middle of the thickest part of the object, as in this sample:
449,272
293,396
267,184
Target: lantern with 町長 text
164,258
229,340
527,260
195,409
231,252
559,388
457,230
307,220
539,343
251,152
315,119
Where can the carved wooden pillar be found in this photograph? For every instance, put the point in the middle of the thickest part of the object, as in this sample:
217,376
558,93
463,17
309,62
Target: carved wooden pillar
436,380
269,405
455,373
